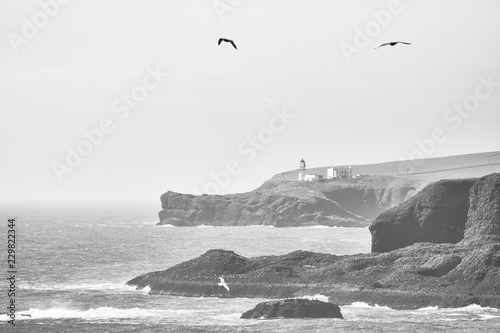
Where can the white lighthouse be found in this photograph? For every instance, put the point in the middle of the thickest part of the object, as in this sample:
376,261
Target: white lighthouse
302,164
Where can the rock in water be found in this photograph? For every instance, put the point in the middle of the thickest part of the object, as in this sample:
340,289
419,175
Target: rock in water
294,308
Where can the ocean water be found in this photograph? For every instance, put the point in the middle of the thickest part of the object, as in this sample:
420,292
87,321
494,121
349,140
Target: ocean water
73,260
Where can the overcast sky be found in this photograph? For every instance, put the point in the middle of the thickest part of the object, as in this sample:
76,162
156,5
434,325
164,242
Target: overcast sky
305,82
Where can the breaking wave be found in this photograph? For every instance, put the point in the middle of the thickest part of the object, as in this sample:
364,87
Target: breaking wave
318,297
366,305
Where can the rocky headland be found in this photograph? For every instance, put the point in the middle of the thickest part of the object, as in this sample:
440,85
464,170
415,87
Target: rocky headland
440,247
288,203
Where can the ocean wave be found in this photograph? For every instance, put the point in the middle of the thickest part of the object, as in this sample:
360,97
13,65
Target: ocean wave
473,308
488,316
366,305
83,286
101,313
479,307
318,297
320,226
166,225
468,308
260,226
428,308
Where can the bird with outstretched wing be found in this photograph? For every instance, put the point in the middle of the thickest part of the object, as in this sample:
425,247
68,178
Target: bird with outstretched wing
227,41
392,44
222,283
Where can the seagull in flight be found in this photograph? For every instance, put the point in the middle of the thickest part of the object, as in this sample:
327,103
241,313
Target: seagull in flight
392,44
228,41
222,283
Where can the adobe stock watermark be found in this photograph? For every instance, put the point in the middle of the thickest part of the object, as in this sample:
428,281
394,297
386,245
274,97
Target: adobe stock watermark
453,117
224,6
364,36
248,150
31,27
121,107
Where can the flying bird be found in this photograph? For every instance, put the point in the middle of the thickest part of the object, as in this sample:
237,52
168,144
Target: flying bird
228,41
222,283
392,44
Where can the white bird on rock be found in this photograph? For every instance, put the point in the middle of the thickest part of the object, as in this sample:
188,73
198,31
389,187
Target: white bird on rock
222,283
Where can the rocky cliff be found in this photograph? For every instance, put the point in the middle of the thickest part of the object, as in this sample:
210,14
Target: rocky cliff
436,272
437,214
483,218
340,202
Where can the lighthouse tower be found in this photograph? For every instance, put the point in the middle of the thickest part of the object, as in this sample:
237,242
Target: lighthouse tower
302,164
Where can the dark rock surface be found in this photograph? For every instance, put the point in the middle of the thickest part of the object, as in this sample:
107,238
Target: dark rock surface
436,214
483,220
294,308
339,202
432,273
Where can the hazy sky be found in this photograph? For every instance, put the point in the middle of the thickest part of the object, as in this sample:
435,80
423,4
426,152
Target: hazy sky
305,82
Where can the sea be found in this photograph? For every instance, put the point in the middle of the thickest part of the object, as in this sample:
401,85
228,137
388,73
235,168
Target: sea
72,260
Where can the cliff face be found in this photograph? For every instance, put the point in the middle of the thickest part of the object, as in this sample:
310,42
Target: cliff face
341,202
437,214
483,219
430,273
448,211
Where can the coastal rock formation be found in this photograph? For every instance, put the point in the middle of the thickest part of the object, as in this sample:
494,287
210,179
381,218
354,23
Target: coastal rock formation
483,220
294,308
437,214
339,202
431,273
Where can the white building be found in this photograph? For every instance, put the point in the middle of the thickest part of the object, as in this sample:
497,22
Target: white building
309,177
332,173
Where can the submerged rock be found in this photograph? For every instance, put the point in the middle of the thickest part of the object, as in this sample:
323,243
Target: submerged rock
294,308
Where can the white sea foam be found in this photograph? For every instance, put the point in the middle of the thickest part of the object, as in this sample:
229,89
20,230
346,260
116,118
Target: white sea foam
428,308
318,297
319,226
166,225
468,308
260,226
366,305
488,316
479,307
